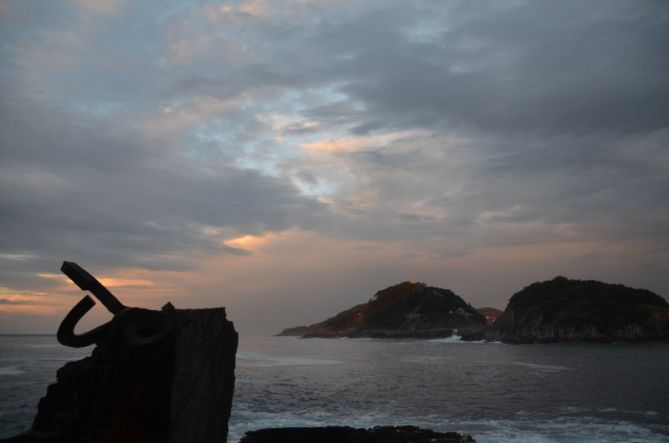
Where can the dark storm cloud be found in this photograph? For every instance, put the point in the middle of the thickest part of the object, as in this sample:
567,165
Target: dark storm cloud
551,67
563,107
567,67
578,189
82,190
532,122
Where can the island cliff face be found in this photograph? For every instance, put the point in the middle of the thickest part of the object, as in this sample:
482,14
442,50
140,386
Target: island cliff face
406,310
564,310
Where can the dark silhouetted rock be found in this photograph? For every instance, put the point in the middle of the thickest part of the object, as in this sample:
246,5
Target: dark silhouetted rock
406,310
345,434
181,392
564,310
204,377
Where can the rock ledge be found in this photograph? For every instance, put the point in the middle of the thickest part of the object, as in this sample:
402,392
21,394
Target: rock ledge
346,434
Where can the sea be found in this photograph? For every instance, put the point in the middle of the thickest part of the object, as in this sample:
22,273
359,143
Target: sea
493,391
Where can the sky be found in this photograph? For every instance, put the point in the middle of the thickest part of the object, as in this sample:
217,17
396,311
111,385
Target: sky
287,159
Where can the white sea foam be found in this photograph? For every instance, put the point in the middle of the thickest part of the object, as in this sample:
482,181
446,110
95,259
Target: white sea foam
427,359
647,413
451,339
545,368
584,429
457,339
10,370
526,430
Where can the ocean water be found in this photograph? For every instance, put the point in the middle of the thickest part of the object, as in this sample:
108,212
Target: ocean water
496,392
28,364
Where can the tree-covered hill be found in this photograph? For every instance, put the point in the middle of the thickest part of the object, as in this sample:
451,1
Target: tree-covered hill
562,309
403,310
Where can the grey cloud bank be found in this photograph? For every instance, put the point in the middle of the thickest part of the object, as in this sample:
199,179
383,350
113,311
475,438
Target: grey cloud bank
148,136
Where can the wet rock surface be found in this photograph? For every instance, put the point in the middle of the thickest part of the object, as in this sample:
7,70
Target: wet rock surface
345,434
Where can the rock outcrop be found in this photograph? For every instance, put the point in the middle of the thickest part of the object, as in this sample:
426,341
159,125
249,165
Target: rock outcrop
181,392
345,434
406,310
564,310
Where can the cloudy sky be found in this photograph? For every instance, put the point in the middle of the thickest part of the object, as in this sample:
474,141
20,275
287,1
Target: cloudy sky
288,158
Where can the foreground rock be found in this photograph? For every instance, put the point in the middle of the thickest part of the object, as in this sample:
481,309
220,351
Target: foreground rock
181,392
345,434
564,310
406,310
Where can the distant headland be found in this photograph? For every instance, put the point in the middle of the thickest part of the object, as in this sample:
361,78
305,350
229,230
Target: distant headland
557,310
406,310
565,310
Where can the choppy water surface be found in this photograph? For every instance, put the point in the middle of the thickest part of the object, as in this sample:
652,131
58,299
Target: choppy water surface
496,392
27,365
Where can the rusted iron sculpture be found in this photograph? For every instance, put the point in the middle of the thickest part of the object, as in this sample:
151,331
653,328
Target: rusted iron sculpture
136,327
139,346
154,376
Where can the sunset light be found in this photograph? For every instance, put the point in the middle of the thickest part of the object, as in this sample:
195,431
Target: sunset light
414,187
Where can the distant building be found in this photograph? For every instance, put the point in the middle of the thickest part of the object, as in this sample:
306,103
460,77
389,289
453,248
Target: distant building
490,314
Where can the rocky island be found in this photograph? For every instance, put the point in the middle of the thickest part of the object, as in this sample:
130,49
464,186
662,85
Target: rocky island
405,310
557,310
565,310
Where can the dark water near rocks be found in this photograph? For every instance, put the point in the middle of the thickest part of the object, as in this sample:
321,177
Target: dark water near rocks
496,392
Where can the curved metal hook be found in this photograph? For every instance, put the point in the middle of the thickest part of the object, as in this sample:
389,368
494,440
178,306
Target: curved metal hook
86,282
138,327
66,335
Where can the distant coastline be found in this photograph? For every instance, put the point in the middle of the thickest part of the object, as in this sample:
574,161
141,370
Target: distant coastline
405,310
557,310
